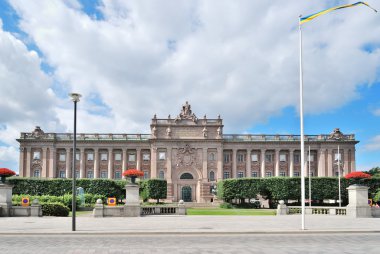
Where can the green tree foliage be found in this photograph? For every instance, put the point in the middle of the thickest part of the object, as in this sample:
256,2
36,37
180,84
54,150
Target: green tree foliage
375,172
154,189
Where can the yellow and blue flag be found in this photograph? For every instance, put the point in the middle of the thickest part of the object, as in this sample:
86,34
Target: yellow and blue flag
313,16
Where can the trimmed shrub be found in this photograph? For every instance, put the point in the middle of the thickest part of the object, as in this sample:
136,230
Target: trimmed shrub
55,209
154,189
225,206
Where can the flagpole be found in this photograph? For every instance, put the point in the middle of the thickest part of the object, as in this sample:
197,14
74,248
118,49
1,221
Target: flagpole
309,179
302,134
340,200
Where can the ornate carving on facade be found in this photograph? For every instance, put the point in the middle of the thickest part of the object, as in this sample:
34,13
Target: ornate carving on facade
336,134
38,132
154,132
168,131
186,114
219,132
36,162
204,131
186,156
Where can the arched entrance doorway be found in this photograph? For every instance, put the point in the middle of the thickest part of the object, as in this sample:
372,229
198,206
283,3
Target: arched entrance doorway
186,194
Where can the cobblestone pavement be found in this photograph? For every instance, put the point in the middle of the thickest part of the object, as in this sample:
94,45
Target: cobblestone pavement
193,243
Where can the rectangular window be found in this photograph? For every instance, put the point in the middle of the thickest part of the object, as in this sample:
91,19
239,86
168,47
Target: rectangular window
117,175
117,156
240,174
254,174
146,157
254,157
90,156
282,157
211,157
311,158
296,158
311,174
131,157
282,173
296,173
90,174
336,173
226,175
337,156
240,157
269,158
146,175
162,156
77,156
268,174
103,156
161,175
36,173
103,174
62,174
36,155
77,174
62,157
227,157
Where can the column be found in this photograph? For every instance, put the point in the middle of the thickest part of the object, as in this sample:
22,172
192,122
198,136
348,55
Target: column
277,161
291,163
346,162
169,166
262,162
52,163
234,163
321,163
353,162
248,164
138,158
96,162
68,163
44,168
204,164
21,167
329,162
306,165
82,171
110,163
219,164
28,161
124,162
153,163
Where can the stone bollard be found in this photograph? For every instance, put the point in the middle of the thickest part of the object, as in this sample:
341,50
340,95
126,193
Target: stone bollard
282,209
35,209
99,209
6,200
358,202
181,208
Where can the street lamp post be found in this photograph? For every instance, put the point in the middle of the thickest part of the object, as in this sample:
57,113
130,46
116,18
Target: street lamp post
75,98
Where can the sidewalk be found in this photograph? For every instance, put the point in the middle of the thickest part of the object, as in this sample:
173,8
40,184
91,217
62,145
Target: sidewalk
187,225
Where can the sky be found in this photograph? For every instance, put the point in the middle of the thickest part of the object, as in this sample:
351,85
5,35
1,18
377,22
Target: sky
237,59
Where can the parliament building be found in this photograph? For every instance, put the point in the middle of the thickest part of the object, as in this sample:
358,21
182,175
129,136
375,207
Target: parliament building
191,153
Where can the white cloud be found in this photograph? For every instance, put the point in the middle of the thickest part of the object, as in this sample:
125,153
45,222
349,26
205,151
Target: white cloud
376,112
373,145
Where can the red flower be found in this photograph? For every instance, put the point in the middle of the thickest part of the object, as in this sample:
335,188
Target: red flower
6,172
133,172
357,175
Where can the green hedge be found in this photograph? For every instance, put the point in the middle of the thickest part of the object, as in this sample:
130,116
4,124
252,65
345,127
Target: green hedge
154,189
55,209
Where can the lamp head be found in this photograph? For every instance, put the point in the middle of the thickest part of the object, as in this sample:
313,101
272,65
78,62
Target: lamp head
75,96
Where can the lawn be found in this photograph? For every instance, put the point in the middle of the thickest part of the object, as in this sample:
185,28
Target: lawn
223,211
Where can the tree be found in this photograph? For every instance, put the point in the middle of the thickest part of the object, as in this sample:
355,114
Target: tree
375,172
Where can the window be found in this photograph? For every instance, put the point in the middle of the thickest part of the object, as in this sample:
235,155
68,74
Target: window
162,156
186,176
117,156
36,155
103,174
117,175
336,173
77,174
36,173
254,157
131,157
254,174
212,176
161,175
296,158
311,157
211,157
269,158
226,175
240,174
338,156
90,156
77,156
103,156
146,174
240,157
268,174
282,157
146,157
311,173
227,157
62,174
62,157
282,173
90,174
296,174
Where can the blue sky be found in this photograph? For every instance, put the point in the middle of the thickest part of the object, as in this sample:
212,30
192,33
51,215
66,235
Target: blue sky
237,59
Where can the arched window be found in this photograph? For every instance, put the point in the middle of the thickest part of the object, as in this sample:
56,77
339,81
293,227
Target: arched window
212,176
161,175
186,176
